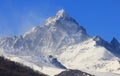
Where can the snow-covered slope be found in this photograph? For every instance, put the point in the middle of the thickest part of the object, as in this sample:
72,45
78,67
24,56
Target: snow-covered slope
88,55
62,43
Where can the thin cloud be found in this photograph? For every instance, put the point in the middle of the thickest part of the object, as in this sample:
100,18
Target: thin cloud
30,20
23,19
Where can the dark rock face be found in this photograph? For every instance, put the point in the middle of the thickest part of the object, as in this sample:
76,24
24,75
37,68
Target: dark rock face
73,73
10,68
56,62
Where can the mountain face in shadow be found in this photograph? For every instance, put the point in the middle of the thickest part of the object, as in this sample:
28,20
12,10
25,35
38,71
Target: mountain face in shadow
10,68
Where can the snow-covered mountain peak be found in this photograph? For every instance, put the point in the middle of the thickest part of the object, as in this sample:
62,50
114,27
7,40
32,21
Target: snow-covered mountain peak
62,13
62,42
60,17
62,21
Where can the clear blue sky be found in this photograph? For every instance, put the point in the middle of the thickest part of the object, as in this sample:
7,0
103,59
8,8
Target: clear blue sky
99,17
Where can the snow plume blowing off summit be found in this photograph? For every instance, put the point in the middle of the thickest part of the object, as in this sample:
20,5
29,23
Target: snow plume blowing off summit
62,43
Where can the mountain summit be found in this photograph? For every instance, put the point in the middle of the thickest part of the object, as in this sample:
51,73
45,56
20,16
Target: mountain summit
61,13
63,21
62,43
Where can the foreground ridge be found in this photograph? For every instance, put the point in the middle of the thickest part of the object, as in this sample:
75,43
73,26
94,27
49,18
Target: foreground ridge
71,72
10,68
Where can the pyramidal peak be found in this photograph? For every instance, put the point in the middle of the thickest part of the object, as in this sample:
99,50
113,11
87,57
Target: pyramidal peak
60,22
60,15
64,21
62,42
115,42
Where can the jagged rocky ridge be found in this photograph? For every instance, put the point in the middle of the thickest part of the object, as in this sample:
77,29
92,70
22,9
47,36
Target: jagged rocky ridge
62,43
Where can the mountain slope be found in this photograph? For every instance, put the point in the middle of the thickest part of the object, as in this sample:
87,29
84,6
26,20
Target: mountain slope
88,56
62,43
10,68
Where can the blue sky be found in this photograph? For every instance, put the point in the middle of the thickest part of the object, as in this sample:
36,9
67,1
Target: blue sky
99,17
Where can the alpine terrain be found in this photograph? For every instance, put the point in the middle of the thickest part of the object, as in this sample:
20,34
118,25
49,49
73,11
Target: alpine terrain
61,43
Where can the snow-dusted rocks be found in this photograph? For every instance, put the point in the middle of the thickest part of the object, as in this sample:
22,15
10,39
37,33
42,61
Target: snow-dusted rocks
62,43
73,73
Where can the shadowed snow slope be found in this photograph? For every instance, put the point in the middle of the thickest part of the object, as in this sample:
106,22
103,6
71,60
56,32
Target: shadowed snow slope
62,43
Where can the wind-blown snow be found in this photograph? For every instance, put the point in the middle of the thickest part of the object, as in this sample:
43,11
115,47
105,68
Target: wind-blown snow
62,43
